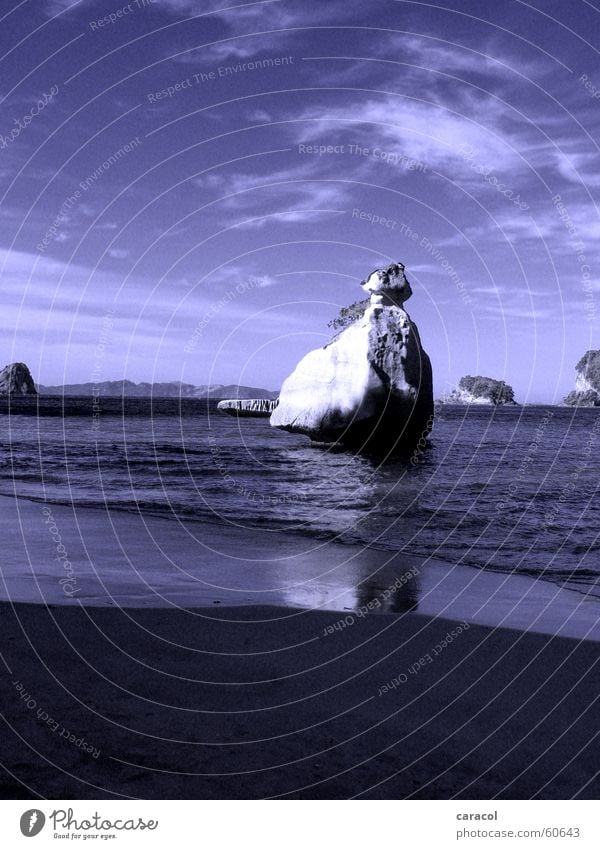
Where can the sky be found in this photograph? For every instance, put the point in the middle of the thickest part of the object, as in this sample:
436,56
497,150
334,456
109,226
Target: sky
191,191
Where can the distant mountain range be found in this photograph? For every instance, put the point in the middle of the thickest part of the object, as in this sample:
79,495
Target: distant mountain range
171,389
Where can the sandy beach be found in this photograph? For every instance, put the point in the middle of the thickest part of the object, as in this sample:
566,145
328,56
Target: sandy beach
193,661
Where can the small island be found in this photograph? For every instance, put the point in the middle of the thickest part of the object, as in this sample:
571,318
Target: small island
481,390
587,383
16,380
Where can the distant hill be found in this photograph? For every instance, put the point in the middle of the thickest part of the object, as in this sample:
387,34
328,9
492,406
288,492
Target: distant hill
171,389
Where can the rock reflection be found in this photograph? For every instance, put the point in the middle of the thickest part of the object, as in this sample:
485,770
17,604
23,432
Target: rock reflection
390,591
370,581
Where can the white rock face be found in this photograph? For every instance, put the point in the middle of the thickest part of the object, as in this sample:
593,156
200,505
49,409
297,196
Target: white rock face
370,388
459,396
587,383
582,384
250,407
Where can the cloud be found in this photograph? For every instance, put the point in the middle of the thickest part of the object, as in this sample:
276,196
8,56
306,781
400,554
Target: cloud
265,281
230,275
548,225
275,22
501,311
431,53
273,11
44,298
68,8
260,116
294,195
577,166
295,216
55,7
511,292
419,131
237,49
50,284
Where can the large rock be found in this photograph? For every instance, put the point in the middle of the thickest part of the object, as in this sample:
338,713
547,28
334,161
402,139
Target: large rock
248,407
370,388
481,390
16,379
587,383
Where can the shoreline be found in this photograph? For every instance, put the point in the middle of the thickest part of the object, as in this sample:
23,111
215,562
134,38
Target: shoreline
85,556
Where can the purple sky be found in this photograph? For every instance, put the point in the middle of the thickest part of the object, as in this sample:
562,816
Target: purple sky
130,212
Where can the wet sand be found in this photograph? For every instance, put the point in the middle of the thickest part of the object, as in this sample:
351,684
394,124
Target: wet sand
58,555
147,688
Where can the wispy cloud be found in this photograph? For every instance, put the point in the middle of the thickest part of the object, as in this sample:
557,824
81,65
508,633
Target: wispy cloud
503,291
228,11
528,314
489,58
577,166
236,49
56,7
421,131
295,193
254,29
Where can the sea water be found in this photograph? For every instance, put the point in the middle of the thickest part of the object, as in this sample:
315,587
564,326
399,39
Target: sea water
512,489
